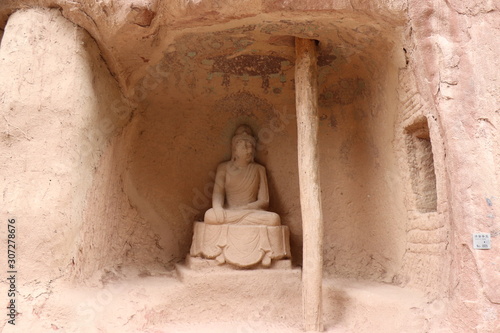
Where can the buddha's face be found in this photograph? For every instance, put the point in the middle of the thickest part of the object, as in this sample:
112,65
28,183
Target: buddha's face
244,151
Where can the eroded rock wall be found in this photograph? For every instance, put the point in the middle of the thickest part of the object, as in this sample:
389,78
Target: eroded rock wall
409,159
57,97
456,56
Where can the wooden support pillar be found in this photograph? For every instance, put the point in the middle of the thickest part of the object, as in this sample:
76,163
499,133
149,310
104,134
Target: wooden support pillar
306,100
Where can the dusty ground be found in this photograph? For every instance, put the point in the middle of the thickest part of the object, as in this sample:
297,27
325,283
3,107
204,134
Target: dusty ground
231,301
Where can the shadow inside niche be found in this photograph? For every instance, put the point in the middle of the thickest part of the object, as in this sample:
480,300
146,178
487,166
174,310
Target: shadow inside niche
335,303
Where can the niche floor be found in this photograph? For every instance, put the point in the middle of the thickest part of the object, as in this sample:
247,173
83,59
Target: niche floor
161,302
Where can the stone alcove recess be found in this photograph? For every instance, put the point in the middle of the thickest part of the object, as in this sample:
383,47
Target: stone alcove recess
215,78
148,159
154,174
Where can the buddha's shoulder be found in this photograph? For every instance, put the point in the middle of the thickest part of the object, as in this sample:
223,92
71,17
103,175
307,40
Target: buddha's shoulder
258,166
223,166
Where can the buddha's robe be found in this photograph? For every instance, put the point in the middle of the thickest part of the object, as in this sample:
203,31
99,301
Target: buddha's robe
239,230
246,197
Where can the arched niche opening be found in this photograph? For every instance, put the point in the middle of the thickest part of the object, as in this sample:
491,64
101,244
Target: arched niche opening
212,79
421,162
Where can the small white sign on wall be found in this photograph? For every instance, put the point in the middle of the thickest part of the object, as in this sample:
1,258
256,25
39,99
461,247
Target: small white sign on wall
481,241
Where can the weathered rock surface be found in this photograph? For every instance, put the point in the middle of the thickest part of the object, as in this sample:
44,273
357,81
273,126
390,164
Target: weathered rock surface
104,104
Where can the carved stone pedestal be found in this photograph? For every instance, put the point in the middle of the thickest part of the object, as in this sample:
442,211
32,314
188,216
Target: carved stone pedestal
205,265
241,245
209,274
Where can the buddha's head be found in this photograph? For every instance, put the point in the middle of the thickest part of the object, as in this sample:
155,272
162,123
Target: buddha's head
243,144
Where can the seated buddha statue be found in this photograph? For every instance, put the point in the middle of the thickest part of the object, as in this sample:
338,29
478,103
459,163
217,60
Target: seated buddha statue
238,229
241,194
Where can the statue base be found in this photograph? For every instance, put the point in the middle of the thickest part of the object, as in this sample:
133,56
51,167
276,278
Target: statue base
209,273
244,246
202,264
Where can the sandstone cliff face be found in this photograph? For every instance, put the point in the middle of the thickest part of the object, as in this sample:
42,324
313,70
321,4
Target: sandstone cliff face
115,113
458,78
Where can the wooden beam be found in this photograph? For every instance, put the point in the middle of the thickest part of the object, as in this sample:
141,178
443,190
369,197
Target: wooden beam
306,100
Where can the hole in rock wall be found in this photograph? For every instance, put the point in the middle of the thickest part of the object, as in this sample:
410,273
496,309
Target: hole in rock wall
421,160
243,73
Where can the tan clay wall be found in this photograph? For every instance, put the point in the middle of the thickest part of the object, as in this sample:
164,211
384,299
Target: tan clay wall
419,145
455,65
363,193
57,120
